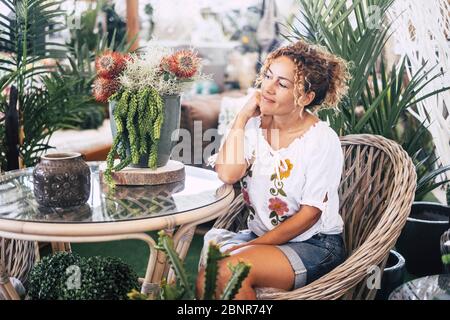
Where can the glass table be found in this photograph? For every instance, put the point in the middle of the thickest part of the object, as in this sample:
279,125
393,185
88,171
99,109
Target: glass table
435,287
127,213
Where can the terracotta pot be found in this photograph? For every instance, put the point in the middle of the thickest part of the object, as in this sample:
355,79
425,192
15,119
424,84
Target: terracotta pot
62,180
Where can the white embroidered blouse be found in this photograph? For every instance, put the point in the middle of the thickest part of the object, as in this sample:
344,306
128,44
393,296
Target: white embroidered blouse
278,182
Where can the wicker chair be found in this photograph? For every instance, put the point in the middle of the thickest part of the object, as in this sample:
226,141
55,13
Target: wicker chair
376,192
17,257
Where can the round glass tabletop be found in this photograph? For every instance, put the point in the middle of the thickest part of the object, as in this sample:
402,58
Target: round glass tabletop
200,188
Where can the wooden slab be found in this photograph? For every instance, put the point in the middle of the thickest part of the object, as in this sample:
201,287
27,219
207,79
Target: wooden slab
173,171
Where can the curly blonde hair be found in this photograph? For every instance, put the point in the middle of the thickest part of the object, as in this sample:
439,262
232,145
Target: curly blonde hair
317,70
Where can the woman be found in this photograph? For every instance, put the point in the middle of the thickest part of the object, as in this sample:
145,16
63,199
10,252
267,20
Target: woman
289,164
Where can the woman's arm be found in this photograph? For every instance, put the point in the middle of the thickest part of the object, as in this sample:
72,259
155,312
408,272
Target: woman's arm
292,227
231,164
295,225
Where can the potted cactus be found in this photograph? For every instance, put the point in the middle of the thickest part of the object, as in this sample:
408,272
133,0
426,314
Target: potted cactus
143,91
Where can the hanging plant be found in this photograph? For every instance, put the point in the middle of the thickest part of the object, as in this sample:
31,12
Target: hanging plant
139,116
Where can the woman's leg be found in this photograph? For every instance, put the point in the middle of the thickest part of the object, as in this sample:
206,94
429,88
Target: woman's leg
269,268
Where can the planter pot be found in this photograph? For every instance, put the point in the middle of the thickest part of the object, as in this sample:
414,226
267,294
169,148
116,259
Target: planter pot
62,180
419,241
393,275
445,250
172,113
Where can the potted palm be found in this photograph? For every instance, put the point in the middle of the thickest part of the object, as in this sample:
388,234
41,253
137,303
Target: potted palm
144,103
379,99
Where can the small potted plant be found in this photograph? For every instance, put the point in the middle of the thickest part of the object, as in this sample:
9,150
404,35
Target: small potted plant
143,91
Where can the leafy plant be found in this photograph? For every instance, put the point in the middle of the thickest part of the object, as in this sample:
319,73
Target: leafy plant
67,102
182,289
46,279
377,100
24,36
100,278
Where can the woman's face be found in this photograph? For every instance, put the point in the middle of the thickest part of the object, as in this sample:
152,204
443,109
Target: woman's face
277,88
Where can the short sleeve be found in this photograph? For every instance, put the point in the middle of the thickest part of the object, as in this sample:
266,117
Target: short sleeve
323,169
250,140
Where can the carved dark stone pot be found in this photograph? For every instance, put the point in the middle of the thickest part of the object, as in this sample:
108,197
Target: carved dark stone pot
62,180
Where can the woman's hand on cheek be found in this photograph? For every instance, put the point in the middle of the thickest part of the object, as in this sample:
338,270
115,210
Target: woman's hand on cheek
251,108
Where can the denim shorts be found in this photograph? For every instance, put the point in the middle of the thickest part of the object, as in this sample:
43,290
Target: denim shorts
310,259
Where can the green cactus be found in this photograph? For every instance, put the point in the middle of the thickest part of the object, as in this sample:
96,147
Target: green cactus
182,289
211,270
239,273
165,244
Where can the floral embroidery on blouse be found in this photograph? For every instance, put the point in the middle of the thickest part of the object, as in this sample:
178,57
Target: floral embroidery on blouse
245,195
278,208
285,172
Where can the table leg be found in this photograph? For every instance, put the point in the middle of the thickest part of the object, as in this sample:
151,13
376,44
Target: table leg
61,247
6,288
161,261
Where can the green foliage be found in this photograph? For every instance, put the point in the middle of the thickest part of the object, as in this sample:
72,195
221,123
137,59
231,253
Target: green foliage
101,278
47,278
378,100
182,288
446,259
67,101
211,271
77,107
239,273
24,36
139,116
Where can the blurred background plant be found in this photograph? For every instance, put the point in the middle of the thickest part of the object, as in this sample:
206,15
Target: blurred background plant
378,98
53,79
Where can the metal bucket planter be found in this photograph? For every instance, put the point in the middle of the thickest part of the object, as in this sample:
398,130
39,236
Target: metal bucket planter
171,123
419,241
393,275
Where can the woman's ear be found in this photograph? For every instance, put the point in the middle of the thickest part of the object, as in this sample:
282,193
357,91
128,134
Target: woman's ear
308,98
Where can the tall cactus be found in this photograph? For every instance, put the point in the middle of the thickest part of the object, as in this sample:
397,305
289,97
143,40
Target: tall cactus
165,244
182,289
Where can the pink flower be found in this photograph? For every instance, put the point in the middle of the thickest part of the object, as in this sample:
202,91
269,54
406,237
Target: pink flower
279,206
245,196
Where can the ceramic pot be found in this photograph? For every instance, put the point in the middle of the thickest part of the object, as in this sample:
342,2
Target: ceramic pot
62,180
